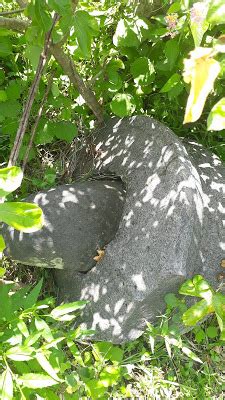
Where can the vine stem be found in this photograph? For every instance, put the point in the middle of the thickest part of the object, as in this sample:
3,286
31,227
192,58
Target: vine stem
31,96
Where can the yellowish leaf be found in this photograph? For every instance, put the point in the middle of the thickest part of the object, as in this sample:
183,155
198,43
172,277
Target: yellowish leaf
100,255
222,264
201,70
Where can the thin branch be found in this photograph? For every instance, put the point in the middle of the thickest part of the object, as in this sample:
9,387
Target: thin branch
34,128
33,89
14,24
69,67
22,3
18,11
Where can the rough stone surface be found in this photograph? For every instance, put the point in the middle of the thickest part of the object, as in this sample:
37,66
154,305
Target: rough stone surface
79,219
171,227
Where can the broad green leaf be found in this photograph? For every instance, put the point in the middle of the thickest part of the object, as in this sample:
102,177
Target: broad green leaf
171,300
14,89
107,351
201,70
42,18
65,130
212,332
7,385
67,308
131,32
85,28
10,180
171,83
25,217
33,52
10,108
3,95
20,353
110,375
216,12
47,367
198,22
2,244
63,7
143,71
195,313
114,81
32,297
36,381
171,51
216,118
198,287
190,354
33,338
5,47
2,271
55,89
123,104
6,311
95,388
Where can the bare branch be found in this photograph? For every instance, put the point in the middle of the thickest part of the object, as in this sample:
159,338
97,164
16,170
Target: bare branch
14,24
69,67
22,3
33,89
34,128
18,11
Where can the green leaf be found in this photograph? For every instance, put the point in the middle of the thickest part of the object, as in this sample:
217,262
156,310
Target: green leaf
10,108
64,130
67,308
20,353
95,388
131,32
14,90
25,217
55,89
110,375
36,381
2,244
42,18
219,307
5,47
171,51
212,332
123,104
23,328
33,52
195,313
63,7
7,385
47,367
3,95
107,351
42,326
85,28
197,286
10,180
216,118
171,300
114,81
190,354
143,71
32,297
171,83
199,25
216,12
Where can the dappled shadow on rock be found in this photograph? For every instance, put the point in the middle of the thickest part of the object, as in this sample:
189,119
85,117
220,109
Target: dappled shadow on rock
164,235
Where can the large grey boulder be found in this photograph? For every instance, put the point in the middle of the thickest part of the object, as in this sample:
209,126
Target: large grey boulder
171,227
79,219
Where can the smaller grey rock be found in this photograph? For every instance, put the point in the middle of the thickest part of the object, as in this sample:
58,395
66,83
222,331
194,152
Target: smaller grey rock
79,219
